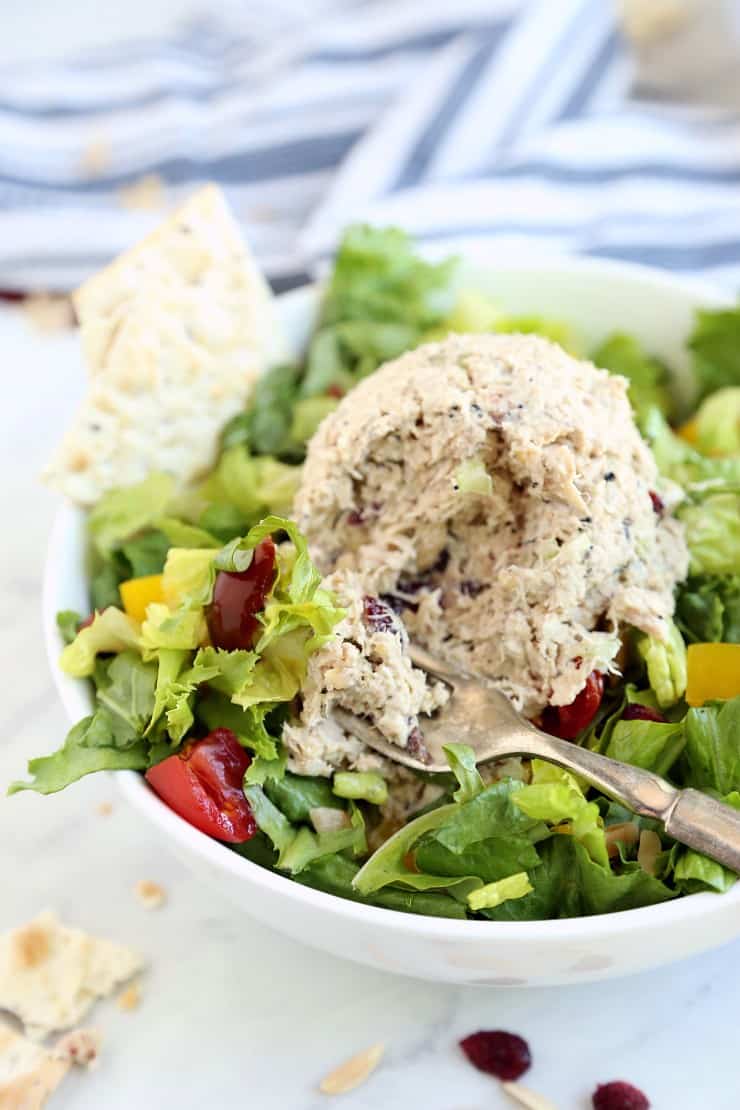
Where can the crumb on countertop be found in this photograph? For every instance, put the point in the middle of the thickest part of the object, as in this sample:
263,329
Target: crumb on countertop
151,895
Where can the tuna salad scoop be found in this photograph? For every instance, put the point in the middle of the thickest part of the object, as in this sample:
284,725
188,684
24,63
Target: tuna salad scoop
497,489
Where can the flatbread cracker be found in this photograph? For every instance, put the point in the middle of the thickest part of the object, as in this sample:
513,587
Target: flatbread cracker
174,333
50,975
28,1072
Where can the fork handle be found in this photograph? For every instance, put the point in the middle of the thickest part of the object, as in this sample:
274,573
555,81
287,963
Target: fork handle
709,826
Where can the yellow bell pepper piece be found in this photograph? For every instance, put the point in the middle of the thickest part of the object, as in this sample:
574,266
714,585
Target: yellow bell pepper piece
689,431
138,593
713,672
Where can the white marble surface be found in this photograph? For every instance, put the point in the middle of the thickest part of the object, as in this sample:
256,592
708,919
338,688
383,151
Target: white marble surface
232,1013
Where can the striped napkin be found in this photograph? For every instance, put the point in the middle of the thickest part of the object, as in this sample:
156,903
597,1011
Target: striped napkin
499,125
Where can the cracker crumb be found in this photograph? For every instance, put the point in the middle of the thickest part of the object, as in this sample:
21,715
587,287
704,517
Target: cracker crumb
130,998
49,312
151,895
29,1073
352,1072
96,157
80,1047
104,809
147,194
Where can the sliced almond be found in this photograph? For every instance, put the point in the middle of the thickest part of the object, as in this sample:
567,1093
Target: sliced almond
626,832
526,1097
352,1072
649,850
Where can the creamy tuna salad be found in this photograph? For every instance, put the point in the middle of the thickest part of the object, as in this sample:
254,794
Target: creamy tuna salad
499,491
428,470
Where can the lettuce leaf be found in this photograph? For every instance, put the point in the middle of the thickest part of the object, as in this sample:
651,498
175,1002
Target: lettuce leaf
252,485
183,629
122,512
297,795
110,631
718,423
648,744
554,796
712,523
107,740
94,744
308,846
336,874
265,427
381,299
708,609
715,346
648,386
680,462
462,763
712,753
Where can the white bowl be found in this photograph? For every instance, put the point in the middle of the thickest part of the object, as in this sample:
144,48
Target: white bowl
596,297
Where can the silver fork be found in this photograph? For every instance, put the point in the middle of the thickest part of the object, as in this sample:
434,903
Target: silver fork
479,715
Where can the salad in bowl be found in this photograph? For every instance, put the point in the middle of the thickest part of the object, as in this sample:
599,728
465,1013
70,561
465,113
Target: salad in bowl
266,537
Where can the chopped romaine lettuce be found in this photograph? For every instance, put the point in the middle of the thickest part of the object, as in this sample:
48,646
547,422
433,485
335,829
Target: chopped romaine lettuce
122,512
708,609
495,894
717,423
380,301
712,523
648,744
715,346
712,752
624,354
110,631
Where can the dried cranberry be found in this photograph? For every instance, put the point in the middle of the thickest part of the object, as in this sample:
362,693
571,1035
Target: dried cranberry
619,1095
12,296
658,502
378,615
566,721
355,516
636,712
335,391
237,598
415,745
504,1055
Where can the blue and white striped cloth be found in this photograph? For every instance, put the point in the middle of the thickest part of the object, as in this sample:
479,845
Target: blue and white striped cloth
501,125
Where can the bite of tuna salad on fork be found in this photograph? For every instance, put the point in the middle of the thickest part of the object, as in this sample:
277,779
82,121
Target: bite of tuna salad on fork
269,531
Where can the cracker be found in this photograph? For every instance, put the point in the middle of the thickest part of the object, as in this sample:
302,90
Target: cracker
174,333
50,975
28,1072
